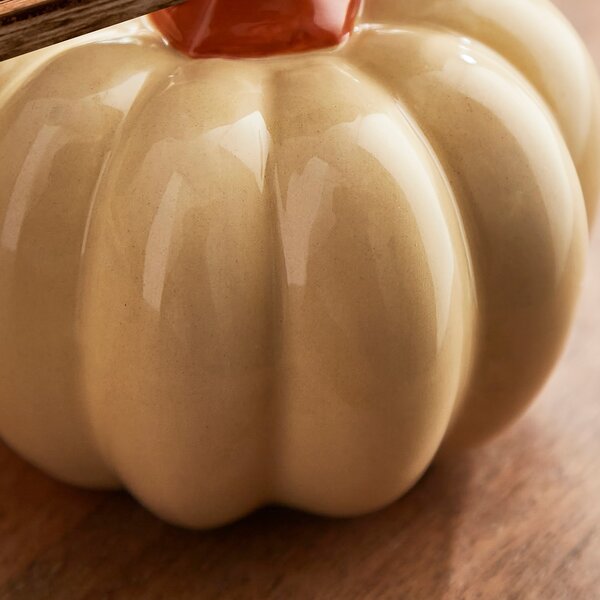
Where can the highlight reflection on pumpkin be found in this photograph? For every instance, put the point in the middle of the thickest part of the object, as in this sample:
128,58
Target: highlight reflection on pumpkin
296,278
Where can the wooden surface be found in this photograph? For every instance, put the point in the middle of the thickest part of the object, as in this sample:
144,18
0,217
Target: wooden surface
518,519
27,25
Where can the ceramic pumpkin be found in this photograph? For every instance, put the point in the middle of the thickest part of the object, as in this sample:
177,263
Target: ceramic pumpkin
251,255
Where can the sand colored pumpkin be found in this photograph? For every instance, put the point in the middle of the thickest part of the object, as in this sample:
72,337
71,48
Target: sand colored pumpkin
255,276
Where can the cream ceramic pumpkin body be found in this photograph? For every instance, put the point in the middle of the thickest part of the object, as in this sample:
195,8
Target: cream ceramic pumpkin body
225,283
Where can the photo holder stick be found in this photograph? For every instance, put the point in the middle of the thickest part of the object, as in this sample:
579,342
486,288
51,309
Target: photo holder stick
27,25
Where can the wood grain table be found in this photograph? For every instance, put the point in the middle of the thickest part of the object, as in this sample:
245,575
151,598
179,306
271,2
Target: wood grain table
518,519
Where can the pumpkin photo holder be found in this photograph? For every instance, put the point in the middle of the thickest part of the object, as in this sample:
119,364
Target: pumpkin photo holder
290,277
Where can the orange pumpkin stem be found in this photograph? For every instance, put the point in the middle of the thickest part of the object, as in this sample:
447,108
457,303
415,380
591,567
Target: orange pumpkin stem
254,28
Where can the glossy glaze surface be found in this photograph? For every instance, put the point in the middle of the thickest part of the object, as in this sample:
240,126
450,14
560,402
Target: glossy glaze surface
209,28
231,282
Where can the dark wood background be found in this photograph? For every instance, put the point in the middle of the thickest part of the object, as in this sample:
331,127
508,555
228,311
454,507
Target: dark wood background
518,519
